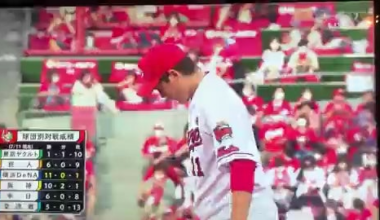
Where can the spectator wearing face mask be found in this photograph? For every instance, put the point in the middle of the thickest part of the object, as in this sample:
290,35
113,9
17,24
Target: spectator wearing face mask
306,110
53,92
273,61
278,106
303,139
155,150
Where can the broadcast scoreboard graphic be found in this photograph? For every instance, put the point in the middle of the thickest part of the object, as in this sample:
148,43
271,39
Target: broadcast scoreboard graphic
42,171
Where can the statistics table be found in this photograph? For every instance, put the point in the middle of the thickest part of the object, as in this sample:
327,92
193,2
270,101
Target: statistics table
42,171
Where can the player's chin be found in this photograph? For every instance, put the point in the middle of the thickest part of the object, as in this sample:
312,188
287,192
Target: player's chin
178,100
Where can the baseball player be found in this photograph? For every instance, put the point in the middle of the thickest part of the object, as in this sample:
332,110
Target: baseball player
230,183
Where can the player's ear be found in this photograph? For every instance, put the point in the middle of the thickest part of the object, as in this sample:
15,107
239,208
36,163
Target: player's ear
174,74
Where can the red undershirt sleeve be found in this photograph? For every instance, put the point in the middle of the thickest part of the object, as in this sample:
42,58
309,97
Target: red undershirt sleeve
242,174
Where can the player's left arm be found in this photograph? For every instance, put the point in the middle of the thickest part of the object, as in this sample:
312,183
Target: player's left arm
235,150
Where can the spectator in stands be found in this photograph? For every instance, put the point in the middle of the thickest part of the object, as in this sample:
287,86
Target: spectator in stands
311,180
341,183
314,38
62,31
87,94
367,174
244,17
324,18
173,31
367,97
278,106
306,110
51,92
84,102
123,36
303,60
303,139
273,61
100,15
282,179
359,211
291,39
338,106
326,39
273,137
307,96
128,89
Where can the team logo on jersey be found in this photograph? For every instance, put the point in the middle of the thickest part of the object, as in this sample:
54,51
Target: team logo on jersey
222,131
223,151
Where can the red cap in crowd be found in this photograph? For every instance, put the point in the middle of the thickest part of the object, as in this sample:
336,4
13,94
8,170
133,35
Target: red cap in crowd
338,92
155,63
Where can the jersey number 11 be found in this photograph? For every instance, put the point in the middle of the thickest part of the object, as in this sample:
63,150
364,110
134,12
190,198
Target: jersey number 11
196,167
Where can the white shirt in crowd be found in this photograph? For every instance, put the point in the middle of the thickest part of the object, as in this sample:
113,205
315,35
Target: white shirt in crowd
273,58
83,96
220,132
131,96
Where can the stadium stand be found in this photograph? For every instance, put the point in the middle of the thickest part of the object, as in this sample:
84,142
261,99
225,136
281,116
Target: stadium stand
318,145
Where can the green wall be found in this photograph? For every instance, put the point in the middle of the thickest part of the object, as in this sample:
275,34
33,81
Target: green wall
32,67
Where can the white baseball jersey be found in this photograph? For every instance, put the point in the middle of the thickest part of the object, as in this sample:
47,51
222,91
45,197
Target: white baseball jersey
220,131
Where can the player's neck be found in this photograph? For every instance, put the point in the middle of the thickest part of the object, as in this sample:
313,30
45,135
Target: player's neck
196,79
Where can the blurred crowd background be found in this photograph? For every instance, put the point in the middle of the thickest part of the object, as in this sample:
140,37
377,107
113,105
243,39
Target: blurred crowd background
304,70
